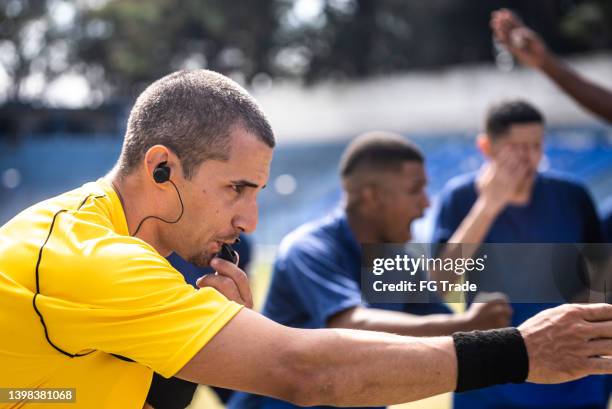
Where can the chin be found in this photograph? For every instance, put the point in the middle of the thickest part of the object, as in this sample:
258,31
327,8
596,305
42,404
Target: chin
523,193
201,260
399,239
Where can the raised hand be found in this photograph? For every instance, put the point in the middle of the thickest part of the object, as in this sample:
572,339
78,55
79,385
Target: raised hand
524,43
500,180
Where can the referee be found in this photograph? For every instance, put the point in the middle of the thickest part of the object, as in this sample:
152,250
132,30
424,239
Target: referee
88,301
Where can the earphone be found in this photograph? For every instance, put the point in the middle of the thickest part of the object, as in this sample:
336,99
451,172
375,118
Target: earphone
161,174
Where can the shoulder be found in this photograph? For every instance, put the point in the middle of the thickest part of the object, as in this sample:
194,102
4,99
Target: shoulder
318,238
562,182
460,184
459,190
56,230
95,257
124,270
72,243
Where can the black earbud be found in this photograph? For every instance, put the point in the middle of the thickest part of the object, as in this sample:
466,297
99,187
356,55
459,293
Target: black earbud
161,173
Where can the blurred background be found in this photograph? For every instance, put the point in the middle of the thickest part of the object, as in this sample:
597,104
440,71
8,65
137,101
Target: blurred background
323,70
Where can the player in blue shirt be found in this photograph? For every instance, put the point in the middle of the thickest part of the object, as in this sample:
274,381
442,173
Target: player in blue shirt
316,279
509,201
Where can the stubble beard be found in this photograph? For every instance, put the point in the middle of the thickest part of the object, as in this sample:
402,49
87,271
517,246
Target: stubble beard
201,259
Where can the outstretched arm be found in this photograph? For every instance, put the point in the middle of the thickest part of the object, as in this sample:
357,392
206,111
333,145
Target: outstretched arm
323,366
361,368
528,47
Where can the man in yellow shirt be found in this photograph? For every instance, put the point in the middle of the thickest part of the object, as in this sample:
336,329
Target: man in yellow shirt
87,300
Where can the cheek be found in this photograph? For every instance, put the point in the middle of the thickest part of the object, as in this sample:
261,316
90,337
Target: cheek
494,152
202,216
399,215
408,206
211,204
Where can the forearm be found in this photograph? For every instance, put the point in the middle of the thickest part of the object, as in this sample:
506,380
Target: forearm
588,94
468,236
359,368
476,225
394,322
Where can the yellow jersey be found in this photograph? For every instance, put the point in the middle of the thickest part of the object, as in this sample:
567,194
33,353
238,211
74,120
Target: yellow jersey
84,305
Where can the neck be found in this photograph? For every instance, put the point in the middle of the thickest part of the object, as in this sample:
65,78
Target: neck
137,204
361,225
523,193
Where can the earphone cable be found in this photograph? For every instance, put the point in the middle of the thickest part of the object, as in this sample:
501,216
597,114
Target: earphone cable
160,218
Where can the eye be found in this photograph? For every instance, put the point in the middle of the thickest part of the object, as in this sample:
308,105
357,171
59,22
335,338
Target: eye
238,188
417,190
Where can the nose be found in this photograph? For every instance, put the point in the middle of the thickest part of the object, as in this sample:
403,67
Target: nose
246,220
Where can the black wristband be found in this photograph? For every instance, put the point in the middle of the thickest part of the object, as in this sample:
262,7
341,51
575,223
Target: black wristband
486,358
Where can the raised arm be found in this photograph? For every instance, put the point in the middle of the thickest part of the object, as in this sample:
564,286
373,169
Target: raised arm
359,368
529,49
495,187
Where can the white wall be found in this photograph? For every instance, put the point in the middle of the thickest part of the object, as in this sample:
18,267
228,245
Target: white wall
419,101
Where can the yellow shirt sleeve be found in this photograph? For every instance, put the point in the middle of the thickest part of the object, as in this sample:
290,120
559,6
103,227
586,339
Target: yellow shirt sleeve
123,298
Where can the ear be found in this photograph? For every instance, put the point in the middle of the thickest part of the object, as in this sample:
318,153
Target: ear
483,143
368,197
157,154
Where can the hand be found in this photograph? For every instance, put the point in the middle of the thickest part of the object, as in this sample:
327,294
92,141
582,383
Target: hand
569,342
523,43
229,280
488,311
500,180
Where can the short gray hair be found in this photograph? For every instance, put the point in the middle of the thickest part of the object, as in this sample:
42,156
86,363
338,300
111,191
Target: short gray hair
192,113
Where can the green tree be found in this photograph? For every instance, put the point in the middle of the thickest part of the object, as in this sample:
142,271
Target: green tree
33,39
134,42
122,45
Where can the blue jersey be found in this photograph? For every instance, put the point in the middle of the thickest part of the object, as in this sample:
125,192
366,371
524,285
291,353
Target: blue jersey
560,211
607,220
317,274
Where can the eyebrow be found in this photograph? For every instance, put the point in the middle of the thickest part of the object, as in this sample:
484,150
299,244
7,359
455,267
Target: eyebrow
243,182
